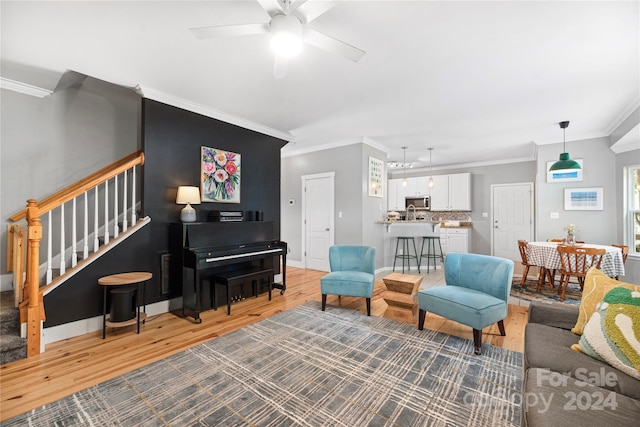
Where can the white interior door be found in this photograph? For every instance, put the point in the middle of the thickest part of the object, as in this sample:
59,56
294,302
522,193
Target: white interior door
318,221
512,218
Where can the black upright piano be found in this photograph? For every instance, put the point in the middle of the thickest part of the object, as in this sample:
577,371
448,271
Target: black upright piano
202,249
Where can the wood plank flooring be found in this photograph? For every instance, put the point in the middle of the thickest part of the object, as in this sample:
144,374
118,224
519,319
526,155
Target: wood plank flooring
74,364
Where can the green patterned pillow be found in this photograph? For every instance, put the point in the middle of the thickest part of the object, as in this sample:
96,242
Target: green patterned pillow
612,334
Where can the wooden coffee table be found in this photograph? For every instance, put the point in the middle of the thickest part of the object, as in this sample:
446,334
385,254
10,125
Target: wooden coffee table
401,295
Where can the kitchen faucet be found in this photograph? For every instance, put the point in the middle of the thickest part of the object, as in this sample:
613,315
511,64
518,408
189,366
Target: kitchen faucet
414,212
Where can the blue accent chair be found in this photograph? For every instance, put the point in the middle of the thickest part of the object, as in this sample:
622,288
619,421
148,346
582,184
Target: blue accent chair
352,273
476,293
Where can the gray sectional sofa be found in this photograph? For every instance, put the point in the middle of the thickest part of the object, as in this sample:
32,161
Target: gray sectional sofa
562,387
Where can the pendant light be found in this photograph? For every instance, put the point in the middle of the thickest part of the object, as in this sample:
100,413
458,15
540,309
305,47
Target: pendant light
404,166
431,183
564,162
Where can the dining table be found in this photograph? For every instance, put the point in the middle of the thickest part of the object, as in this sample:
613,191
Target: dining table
545,254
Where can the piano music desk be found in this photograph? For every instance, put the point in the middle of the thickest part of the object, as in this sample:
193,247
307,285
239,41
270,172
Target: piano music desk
239,277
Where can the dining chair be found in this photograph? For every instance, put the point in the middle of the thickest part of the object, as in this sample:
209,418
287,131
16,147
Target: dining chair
625,251
522,247
551,274
575,262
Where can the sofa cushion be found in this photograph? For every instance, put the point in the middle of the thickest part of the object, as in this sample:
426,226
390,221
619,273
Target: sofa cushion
552,399
614,330
549,348
558,315
596,286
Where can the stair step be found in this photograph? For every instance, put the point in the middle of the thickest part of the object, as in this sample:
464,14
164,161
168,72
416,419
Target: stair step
12,346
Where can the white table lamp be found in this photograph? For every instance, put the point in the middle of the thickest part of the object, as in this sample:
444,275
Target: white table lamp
188,195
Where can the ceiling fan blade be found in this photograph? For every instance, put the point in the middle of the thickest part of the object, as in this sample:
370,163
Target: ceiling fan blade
280,65
328,43
273,7
229,30
310,10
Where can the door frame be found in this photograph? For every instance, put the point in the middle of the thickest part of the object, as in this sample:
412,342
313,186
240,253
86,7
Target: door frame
304,179
532,209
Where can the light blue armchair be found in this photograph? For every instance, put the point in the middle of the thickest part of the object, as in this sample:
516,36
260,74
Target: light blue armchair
476,293
352,273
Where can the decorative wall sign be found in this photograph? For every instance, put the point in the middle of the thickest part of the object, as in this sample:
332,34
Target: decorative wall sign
567,175
220,175
583,199
376,174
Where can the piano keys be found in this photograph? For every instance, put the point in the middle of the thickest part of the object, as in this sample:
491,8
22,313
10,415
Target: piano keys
201,250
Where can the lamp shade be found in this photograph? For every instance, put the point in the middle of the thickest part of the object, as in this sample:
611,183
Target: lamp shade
187,195
564,163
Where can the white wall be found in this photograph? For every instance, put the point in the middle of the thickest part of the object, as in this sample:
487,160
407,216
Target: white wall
359,211
598,227
49,143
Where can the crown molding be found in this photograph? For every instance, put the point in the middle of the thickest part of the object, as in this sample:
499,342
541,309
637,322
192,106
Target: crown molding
24,88
156,95
466,165
290,149
624,115
629,142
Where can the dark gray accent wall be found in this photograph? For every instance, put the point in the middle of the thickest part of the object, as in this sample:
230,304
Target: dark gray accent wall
172,139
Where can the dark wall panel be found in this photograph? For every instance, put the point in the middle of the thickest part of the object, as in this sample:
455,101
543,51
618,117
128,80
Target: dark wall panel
171,141
172,138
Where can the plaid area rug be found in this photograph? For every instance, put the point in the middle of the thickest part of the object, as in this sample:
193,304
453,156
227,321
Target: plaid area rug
309,368
572,296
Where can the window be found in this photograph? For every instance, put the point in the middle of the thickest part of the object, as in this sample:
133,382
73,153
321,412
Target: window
632,209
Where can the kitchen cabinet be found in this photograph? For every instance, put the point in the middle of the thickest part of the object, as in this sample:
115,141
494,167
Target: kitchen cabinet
395,195
455,240
416,186
451,192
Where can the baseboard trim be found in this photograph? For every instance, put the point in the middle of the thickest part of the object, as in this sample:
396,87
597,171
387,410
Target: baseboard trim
85,326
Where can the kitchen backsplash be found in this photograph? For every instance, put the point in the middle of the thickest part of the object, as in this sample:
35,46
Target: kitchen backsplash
445,216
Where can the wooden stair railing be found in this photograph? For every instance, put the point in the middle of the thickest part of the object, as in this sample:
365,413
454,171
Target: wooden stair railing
25,262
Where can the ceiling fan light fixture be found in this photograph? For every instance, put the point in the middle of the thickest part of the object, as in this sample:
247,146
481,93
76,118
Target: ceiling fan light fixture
564,161
286,35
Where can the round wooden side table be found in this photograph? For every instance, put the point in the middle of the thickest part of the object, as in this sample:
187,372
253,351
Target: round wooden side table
134,278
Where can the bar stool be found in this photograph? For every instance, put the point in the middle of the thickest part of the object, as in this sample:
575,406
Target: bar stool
405,255
431,250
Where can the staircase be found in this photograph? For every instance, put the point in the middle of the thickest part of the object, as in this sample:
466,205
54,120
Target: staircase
98,201
12,346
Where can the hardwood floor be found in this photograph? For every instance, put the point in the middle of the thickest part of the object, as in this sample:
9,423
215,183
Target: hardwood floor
74,364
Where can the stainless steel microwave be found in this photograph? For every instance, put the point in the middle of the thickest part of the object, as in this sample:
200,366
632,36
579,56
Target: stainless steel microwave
422,202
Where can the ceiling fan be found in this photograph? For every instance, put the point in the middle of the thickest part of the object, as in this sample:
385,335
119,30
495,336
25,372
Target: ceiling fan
288,31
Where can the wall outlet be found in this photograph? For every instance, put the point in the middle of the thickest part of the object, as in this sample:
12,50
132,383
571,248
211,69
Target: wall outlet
485,214
554,215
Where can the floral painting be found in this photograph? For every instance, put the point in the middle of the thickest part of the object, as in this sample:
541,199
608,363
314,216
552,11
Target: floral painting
220,176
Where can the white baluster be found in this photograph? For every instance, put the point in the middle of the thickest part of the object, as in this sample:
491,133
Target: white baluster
106,212
85,249
96,241
74,237
115,208
133,196
124,203
49,249
62,263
